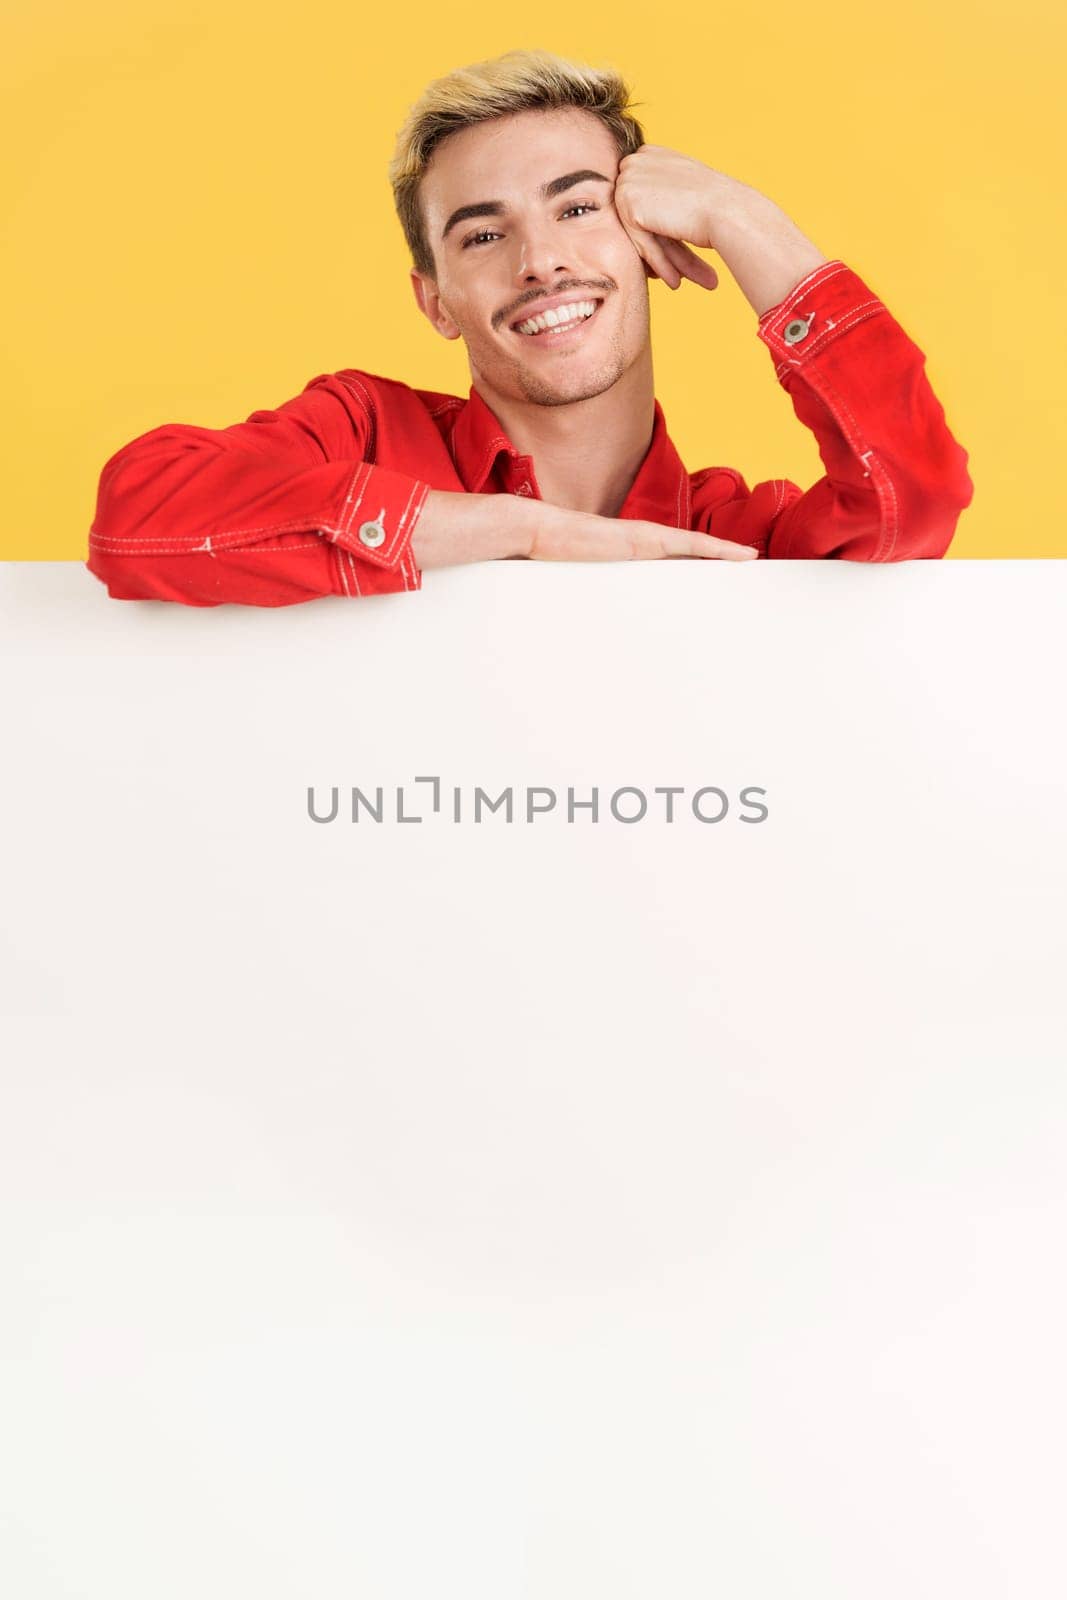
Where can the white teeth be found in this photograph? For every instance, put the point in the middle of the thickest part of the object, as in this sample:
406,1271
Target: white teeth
576,312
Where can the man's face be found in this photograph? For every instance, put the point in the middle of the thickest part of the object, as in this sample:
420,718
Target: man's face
495,270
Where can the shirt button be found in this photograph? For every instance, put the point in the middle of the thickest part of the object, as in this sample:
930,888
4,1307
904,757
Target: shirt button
373,533
796,330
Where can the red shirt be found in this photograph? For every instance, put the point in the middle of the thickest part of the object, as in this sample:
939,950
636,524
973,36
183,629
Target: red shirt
321,495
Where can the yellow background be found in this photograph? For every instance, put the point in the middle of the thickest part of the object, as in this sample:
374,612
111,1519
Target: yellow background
198,220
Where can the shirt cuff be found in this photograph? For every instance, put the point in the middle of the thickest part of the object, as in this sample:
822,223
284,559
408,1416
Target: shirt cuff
378,514
824,305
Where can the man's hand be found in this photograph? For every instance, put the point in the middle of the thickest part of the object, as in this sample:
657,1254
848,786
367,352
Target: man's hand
583,536
663,198
455,528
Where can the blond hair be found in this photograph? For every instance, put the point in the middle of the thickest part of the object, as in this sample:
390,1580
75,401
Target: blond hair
520,80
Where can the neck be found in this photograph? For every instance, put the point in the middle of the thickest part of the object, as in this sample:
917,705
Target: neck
587,453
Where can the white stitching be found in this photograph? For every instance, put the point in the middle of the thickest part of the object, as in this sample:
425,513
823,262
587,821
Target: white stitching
888,513
346,525
370,411
856,314
298,525
348,496
407,508
172,544
805,284
114,546
415,513
778,499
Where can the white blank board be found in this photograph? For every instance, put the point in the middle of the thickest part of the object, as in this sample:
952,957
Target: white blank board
538,1210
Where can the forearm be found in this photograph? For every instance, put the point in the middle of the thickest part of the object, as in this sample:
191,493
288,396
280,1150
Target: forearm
454,528
896,477
763,248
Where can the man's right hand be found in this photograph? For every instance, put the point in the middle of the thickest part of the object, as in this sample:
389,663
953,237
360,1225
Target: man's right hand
454,528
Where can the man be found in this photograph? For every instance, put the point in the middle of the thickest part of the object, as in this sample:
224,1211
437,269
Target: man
535,214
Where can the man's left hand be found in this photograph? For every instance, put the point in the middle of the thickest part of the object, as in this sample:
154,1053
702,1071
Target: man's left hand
663,198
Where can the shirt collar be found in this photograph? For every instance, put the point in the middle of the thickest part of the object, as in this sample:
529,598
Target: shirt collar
477,441
659,493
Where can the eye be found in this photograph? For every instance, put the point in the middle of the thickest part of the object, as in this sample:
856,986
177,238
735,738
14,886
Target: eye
488,233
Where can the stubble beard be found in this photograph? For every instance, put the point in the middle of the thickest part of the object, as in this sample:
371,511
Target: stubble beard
567,387
565,390
541,393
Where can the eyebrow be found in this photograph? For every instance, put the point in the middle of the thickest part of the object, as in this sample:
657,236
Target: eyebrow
547,191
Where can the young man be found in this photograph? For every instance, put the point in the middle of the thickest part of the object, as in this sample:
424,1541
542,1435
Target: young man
535,214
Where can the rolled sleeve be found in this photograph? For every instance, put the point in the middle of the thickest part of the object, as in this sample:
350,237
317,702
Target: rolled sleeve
378,515
823,306
896,477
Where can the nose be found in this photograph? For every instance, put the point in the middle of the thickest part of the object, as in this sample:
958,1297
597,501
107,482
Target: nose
538,254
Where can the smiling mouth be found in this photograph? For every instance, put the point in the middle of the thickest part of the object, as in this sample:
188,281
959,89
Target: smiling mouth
539,326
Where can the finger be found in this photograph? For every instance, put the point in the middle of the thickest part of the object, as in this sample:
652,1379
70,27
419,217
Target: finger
687,542
689,264
594,538
652,250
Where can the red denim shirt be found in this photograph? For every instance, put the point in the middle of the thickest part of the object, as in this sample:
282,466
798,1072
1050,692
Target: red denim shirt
321,495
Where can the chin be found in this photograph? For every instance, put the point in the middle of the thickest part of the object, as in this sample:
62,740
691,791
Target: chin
567,390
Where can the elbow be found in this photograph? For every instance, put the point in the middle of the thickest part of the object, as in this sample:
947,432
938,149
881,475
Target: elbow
143,578
201,578
933,516
945,495
125,527
919,512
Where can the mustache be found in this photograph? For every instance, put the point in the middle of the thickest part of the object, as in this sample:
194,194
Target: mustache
503,317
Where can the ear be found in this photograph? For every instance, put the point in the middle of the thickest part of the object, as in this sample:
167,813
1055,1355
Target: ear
429,302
